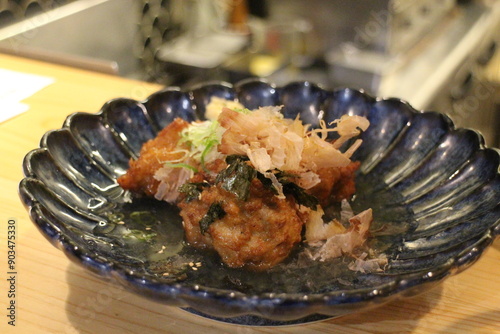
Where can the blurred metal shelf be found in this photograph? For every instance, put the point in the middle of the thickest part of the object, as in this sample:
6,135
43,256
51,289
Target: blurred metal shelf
98,35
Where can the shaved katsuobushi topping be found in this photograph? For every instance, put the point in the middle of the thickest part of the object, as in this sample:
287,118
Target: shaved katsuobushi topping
249,182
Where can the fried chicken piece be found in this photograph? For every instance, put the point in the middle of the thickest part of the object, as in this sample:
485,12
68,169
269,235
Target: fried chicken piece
154,153
336,183
256,234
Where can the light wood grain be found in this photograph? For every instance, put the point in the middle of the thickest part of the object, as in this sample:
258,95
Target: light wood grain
56,296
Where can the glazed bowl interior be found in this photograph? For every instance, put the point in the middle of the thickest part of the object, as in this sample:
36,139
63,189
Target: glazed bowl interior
434,190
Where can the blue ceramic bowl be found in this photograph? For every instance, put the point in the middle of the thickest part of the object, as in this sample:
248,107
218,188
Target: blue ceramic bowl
434,190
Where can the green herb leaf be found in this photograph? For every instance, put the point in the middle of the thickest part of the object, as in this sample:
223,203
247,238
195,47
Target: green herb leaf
192,190
237,177
291,188
301,196
215,211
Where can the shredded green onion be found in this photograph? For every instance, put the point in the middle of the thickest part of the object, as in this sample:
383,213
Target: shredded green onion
203,137
207,149
181,165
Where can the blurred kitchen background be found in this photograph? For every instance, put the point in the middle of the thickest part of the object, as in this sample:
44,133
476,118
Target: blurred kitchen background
436,54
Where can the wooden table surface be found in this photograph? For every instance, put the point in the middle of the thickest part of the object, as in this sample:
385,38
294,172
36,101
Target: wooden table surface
53,295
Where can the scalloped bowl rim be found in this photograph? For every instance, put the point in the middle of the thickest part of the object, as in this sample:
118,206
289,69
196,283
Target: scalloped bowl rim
170,292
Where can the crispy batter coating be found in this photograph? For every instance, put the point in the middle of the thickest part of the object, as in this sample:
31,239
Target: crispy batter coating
140,176
261,232
336,183
255,234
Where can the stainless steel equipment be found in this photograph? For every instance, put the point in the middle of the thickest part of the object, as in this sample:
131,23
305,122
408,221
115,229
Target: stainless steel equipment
100,35
445,72
430,53
388,27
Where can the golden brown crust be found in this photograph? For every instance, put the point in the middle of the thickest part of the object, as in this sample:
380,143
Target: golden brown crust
336,183
256,234
140,175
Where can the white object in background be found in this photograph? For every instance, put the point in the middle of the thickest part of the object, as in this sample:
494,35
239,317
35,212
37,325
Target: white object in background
15,87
